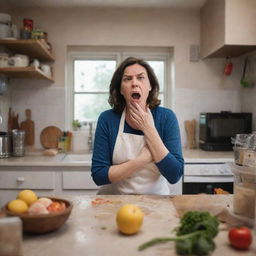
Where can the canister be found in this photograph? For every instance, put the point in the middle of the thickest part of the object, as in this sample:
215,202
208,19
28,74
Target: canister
244,190
18,138
5,145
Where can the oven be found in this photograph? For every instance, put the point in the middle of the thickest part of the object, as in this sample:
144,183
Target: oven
204,177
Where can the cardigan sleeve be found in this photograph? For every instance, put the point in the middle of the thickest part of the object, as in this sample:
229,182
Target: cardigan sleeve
171,166
102,157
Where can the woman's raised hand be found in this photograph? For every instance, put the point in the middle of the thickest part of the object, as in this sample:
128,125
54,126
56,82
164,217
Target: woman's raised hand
141,119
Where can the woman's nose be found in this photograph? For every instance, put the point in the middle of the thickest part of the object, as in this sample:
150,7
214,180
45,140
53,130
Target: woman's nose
134,82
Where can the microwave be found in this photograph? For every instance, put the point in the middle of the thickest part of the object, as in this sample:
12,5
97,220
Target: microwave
217,129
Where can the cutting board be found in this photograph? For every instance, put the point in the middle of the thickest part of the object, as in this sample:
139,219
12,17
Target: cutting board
49,137
29,127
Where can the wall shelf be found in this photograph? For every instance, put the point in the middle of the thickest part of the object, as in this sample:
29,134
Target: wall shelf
34,48
25,72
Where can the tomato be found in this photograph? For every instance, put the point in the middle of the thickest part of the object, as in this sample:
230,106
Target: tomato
56,207
240,238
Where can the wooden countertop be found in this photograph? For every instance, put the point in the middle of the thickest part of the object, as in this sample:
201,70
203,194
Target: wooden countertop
91,230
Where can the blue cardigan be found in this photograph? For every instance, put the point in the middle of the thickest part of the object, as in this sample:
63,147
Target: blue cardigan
171,167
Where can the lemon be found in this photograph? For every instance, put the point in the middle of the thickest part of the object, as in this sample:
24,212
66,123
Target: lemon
129,219
17,206
27,196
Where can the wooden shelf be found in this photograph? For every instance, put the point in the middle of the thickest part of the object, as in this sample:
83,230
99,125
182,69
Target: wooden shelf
31,47
25,72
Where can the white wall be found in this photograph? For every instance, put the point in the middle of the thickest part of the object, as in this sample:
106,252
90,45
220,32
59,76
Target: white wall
195,82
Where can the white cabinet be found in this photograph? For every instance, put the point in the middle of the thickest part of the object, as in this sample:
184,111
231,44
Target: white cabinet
76,180
228,28
45,181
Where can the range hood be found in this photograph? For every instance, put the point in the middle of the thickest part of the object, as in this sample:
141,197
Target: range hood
228,28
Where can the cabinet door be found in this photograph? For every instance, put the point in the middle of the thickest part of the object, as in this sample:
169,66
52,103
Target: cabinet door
27,180
78,180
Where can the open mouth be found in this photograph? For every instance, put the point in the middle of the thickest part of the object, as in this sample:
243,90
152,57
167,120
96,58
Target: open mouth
136,96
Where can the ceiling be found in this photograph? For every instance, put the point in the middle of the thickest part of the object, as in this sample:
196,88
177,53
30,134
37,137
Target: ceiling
109,3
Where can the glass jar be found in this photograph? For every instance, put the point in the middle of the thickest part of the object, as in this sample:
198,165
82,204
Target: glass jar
18,139
244,190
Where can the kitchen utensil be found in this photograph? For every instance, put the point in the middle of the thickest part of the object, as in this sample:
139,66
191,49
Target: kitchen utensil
29,127
18,139
243,81
5,145
190,127
49,137
228,67
43,223
13,121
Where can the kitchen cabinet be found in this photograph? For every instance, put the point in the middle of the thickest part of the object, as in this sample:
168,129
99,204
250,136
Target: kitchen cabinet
33,49
45,181
228,28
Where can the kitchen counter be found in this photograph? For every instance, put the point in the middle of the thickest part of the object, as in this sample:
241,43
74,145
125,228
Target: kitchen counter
201,156
72,159
91,230
38,159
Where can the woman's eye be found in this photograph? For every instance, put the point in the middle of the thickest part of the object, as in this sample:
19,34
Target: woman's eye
141,77
126,79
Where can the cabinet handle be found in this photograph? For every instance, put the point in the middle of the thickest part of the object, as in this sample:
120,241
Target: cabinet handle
20,179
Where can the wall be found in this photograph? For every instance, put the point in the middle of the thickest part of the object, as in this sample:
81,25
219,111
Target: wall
195,82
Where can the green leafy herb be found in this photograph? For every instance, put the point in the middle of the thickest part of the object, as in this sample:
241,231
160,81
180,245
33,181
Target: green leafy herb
194,235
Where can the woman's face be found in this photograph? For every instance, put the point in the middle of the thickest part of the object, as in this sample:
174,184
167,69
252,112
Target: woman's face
135,85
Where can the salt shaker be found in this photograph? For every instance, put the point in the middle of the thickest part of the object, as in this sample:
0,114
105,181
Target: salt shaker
11,236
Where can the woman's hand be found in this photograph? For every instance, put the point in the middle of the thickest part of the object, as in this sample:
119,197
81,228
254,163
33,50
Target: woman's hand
140,118
145,156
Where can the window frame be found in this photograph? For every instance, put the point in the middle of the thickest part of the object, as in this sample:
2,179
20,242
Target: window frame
119,54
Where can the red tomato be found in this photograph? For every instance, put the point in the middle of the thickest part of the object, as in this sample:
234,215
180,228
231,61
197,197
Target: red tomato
240,238
56,207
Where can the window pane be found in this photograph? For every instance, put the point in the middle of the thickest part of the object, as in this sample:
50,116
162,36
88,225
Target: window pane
158,67
93,75
89,106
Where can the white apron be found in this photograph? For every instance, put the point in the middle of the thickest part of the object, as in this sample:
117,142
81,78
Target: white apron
148,180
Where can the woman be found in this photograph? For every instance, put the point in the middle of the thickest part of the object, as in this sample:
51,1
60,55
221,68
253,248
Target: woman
137,147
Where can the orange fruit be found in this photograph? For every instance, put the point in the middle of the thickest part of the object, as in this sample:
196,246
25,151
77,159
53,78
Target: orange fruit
129,219
27,196
17,206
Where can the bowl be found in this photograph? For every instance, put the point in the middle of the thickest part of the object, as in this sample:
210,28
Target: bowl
43,223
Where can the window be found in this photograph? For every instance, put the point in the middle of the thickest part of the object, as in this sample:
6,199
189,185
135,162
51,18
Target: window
90,71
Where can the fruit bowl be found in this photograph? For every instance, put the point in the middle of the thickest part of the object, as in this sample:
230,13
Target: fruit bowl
43,223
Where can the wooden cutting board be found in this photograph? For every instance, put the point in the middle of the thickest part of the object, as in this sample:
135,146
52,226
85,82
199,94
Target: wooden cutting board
49,137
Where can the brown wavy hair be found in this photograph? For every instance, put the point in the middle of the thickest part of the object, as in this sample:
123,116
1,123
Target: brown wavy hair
116,99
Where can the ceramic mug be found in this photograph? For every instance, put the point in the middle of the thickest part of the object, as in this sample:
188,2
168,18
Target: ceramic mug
35,63
46,69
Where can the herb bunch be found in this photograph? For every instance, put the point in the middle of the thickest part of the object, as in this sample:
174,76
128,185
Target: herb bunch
194,235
